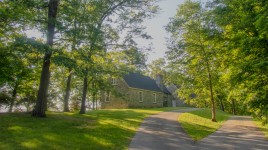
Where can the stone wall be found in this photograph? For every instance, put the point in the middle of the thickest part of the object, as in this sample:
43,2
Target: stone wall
118,96
148,98
126,97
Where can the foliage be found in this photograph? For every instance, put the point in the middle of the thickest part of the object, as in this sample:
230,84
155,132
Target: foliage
80,38
157,67
5,99
135,58
247,51
227,41
19,69
192,53
263,127
197,123
104,129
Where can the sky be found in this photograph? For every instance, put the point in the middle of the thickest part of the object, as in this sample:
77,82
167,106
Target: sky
156,28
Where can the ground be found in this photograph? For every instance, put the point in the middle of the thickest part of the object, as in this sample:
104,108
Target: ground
162,131
239,132
102,129
114,129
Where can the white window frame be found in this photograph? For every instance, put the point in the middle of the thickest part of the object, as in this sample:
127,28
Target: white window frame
155,98
107,96
140,93
114,81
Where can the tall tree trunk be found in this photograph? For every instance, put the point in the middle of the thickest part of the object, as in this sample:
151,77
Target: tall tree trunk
67,92
14,93
27,106
83,103
222,106
41,102
94,100
213,118
93,95
233,107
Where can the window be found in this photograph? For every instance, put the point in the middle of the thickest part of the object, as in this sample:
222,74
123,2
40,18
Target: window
114,81
141,96
107,96
154,96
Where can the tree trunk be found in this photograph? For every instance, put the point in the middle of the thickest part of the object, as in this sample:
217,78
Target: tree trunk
14,93
67,92
83,103
94,101
27,106
233,107
93,96
11,105
40,107
41,102
222,106
213,118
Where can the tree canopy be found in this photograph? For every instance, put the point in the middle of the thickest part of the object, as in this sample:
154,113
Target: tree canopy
218,51
84,45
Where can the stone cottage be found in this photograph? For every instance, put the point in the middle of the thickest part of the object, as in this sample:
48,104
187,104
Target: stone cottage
136,91
176,101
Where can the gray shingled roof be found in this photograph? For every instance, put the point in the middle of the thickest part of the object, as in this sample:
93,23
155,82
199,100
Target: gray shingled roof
165,90
139,81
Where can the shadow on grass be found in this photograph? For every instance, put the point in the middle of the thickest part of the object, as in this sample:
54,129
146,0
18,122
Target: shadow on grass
206,113
105,129
198,125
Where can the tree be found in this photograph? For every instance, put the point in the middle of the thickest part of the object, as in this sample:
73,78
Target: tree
40,107
136,58
20,59
66,59
157,67
193,52
128,14
245,31
86,29
76,19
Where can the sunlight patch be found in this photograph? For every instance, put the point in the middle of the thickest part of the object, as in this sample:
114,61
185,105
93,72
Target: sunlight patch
16,128
101,141
51,137
86,126
33,143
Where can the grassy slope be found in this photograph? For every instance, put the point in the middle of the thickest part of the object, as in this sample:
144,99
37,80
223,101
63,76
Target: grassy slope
264,128
104,129
198,124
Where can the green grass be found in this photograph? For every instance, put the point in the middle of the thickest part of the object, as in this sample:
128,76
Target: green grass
98,130
264,128
197,124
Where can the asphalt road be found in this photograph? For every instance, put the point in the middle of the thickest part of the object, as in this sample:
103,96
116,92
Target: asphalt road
163,132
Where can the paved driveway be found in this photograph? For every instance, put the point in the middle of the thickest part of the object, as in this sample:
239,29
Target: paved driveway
163,132
239,132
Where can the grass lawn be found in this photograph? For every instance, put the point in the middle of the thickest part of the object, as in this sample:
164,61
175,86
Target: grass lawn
197,124
264,128
98,130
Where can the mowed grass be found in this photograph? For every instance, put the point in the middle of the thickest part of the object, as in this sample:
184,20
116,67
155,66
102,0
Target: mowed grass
96,130
197,124
264,128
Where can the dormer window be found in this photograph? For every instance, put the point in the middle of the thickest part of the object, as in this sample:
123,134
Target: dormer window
114,81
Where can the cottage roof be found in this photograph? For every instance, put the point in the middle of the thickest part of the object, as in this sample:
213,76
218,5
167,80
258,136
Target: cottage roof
166,91
139,81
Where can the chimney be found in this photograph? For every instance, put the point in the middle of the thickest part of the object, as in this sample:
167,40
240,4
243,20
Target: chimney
159,81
